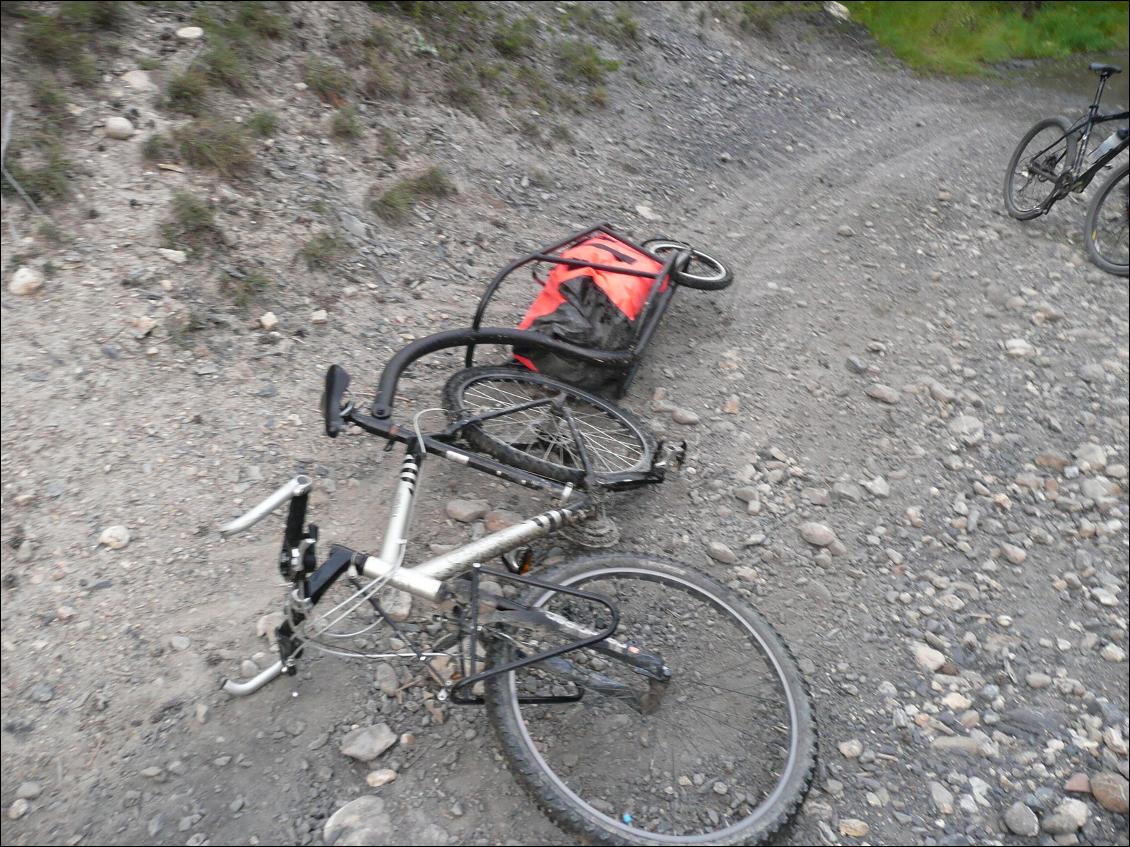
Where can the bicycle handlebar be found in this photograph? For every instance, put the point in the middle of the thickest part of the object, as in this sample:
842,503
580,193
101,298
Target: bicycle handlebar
390,377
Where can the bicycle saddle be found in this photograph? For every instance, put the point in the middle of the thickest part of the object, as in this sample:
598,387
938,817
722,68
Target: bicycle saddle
1105,70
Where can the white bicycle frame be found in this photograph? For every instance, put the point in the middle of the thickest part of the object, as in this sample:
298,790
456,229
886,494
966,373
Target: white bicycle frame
425,580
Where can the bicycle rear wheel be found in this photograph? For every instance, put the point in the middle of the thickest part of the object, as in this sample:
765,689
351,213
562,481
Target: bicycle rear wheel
1041,157
539,439
727,756
1108,225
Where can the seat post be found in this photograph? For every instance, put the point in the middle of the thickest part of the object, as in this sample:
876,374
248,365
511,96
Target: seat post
1103,76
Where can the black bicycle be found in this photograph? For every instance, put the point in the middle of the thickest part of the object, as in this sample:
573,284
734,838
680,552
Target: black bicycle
1107,230
1051,161
637,699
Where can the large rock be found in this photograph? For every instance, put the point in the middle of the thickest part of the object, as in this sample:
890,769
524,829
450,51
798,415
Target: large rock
1070,815
883,393
360,822
114,537
467,511
968,429
368,742
1111,791
817,534
25,281
119,128
139,81
719,552
926,656
1021,820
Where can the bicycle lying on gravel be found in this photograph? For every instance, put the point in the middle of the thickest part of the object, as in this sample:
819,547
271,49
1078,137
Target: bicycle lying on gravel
638,700
1052,162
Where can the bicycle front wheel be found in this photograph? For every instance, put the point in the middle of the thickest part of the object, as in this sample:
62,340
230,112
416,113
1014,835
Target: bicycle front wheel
539,439
1108,225
725,758
1041,157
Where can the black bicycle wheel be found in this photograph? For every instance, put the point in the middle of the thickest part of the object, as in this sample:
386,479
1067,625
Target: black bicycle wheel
1041,157
725,758
539,439
703,271
1108,225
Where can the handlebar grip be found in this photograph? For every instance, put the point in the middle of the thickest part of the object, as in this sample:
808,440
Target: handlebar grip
337,380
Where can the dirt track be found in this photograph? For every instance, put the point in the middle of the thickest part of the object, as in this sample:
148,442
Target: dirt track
765,150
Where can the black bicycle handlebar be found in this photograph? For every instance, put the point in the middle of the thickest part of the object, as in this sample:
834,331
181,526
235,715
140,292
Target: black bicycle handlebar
390,377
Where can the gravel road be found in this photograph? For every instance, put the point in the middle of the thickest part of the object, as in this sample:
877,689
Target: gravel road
942,387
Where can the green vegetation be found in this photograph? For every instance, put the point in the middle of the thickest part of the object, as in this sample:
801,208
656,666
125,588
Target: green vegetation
192,221
327,81
44,181
263,123
515,39
345,124
217,144
578,61
321,251
965,37
49,99
185,93
763,16
483,47
244,288
158,148
60,40
397,201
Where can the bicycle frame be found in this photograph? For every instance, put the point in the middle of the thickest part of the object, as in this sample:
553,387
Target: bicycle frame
1083,126
429,580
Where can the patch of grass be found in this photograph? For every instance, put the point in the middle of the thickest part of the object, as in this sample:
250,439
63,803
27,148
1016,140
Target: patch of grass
186,92
223,64
191,220
244,288
626,25
463,89
382,81
389,145
47,180
579,61
327,81
396,202
149,63
61,40
261,19
515,39
965,37
50,41
763,16
345,124
158,148
92,15
457,26
263,123
321,251
215,143
48,97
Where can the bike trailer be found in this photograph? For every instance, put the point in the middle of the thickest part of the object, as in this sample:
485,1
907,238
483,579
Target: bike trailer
599,291
595,304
